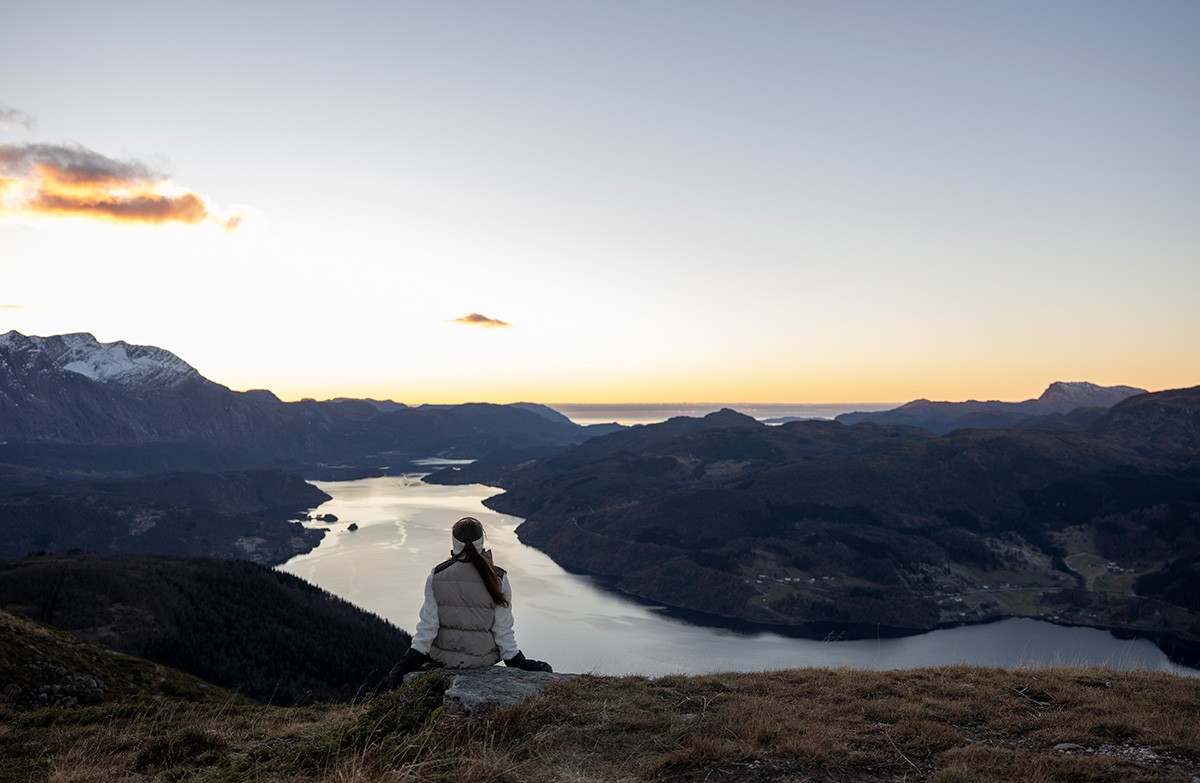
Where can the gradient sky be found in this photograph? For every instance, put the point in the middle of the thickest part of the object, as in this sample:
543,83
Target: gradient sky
611,202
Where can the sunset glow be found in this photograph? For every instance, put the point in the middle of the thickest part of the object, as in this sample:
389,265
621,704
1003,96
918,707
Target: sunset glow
797,202
77,182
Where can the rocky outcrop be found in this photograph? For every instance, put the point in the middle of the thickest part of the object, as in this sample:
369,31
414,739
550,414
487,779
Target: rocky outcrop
476,691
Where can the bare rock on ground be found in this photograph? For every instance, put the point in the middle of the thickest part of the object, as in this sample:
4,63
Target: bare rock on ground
476,691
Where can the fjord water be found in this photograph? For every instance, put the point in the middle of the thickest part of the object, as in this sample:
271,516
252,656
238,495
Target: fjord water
577,625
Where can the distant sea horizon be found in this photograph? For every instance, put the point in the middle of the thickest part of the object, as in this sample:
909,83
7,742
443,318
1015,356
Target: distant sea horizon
653,413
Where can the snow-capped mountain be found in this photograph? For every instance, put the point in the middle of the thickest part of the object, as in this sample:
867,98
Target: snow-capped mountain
1066,396
71,388
71,402
117,363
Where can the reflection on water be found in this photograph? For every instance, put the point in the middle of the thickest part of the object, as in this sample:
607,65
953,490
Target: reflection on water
576,625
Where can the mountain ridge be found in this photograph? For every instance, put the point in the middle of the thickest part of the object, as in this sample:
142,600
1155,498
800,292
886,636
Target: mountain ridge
1050,410
790,525
72,392
819,522
117,362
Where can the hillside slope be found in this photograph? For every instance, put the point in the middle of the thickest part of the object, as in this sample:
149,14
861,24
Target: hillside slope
943,725
260,632
44,667
246,515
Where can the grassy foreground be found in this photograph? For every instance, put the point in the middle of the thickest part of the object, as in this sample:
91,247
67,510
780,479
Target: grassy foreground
944,724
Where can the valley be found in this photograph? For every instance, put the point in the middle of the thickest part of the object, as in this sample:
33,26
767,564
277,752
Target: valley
1081,506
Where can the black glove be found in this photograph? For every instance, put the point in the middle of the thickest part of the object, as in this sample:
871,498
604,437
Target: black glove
519,661
411,661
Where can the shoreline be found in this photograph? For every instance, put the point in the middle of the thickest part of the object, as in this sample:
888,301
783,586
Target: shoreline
1180,651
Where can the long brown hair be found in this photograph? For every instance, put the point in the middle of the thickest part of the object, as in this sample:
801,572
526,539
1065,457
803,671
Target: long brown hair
470,529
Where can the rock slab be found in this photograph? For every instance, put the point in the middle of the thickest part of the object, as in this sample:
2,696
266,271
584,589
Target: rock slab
477,691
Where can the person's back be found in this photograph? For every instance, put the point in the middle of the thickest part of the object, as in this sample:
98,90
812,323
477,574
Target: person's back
466,621
466,616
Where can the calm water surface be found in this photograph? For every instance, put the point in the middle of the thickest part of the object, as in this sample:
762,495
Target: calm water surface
576,625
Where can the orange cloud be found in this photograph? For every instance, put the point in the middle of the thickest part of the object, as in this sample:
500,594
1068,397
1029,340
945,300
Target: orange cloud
48,179
475,319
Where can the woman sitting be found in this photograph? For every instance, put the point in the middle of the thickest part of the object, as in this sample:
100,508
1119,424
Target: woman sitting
466,621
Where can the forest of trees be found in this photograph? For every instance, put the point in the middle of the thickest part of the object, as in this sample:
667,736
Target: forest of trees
248,628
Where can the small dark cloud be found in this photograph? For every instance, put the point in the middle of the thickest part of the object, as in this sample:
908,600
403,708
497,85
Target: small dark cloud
57,179
73,163
10,117
476,319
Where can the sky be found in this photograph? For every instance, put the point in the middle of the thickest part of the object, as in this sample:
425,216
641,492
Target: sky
679,200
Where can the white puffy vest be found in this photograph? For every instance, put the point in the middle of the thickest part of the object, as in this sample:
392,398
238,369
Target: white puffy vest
465,615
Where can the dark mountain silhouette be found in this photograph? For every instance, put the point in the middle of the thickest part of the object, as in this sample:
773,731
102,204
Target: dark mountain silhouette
644,462
72,407
458,430
1071,510
235,515
73,389
1052,410
1164,426
253,630
543,410
817,522
81,418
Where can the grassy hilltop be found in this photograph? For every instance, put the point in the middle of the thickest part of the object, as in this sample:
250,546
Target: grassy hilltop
115,718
